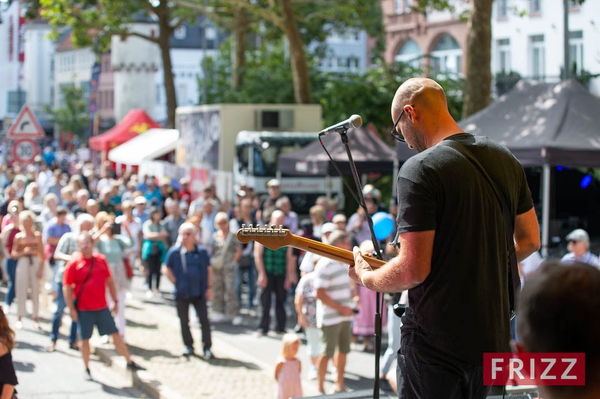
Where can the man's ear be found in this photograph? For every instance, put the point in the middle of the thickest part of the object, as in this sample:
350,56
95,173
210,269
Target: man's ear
517,347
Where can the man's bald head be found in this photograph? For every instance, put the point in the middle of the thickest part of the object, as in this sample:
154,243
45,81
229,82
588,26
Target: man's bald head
426,120
420,92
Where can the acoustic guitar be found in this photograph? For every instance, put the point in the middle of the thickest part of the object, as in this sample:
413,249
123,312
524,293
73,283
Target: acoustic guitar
275,238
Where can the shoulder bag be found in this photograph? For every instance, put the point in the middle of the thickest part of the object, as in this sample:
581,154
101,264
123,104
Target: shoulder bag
76,300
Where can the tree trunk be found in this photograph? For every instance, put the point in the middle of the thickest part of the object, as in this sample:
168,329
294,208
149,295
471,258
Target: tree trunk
169,81
479,74
302,89
240,25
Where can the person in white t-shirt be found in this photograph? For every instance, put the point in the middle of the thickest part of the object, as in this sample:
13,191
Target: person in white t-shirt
334,311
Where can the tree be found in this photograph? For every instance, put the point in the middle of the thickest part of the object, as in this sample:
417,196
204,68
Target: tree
301,22
477,94
74,116
268,80
94,22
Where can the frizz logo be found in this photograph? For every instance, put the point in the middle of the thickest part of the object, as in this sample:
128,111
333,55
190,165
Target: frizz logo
534,369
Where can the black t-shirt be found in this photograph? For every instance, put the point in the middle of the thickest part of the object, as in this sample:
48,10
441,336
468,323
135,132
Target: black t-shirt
7,371
463,304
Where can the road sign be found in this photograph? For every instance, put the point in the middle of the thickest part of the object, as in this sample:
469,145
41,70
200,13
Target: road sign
25,150
25,126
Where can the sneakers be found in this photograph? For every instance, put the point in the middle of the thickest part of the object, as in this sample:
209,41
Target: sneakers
312,373
237,321
74,346
208,354
189,351
149,294
133,366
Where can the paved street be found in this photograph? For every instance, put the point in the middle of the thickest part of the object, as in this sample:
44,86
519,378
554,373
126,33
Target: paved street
243,367
59,375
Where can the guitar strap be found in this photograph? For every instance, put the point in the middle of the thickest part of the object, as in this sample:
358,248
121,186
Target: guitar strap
514,281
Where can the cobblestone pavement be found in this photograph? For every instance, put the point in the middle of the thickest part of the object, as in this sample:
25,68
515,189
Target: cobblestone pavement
244,363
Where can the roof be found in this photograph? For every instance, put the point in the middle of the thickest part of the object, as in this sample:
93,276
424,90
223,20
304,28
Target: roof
134,123
369,152
544,123
153,144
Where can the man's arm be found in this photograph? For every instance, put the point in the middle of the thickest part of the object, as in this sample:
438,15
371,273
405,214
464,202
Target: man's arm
407,270
168,272
330,303
527,234
209,290
260,266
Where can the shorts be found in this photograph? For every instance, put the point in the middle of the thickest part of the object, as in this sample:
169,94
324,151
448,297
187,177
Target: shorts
99,318
335,336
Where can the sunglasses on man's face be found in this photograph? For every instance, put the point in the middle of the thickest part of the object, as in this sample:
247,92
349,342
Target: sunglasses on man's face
573,241
396,133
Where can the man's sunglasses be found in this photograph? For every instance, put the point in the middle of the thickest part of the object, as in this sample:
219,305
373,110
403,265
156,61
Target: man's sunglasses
397,133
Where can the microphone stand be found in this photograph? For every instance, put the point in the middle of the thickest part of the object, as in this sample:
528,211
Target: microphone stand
344,136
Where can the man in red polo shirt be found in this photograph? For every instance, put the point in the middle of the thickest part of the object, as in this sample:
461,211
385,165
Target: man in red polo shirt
84,285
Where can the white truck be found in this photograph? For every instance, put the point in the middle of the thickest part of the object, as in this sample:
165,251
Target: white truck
246,140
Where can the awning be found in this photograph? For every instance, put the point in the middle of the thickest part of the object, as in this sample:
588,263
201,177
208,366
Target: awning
153,144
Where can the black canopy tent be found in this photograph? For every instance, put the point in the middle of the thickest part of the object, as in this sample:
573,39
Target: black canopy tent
369,152
544,125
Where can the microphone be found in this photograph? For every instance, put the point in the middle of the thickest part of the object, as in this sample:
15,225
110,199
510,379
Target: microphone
353,121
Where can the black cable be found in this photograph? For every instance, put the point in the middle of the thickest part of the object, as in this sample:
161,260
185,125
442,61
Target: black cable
378,253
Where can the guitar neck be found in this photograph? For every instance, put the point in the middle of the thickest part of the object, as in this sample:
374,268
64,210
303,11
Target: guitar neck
330,252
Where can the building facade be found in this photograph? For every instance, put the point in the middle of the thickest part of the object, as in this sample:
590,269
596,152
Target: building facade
344,52
26,65
436,41
528,40
190,43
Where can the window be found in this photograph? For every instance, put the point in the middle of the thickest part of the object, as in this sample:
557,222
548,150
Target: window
399,6
447,56
538,56
576,51
535,6
502,8
504,61
410,53
180,33
211,37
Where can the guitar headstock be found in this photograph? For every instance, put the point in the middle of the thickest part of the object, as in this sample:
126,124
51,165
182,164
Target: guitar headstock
271,237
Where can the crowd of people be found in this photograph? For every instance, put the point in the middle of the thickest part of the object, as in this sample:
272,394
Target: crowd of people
76,239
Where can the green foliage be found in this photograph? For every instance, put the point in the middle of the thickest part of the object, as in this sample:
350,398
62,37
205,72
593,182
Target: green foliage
268,77
74,116
269,80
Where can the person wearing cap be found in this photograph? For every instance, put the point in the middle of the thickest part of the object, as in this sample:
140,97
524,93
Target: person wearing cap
267,202
140,210
291,218
340,221
579,248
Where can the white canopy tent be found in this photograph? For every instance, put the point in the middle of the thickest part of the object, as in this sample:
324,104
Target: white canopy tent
149,145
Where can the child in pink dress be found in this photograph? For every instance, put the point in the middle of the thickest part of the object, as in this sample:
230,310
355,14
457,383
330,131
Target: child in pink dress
288,369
